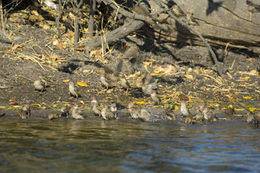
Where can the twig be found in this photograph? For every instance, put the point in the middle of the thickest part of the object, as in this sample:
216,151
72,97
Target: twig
130,15
2,16
92,4
33,59
76,21
58,18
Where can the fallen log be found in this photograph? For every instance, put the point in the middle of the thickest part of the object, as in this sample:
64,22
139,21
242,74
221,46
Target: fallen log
221,23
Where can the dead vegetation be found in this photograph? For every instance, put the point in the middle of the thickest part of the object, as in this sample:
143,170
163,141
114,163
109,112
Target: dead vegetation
81,39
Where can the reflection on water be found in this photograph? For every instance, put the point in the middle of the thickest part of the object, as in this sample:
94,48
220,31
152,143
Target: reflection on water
111,146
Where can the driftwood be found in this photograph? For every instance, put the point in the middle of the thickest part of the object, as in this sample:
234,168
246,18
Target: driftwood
130,27
124,30
232,23
220,23
116,34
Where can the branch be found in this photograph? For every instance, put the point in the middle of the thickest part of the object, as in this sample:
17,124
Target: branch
219,65
131,15
116,34
92,4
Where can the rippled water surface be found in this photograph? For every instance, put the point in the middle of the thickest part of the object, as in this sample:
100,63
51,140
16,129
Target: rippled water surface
99,146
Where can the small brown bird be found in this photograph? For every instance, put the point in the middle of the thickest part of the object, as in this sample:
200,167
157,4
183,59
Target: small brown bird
156,100
64,111
169,111
72,89
199,117
39,85
107,114
124,82
150,82
94,105
113,108
132,51
75,113
207,115
134,113
189,120
184,110
103,80
144,115
51,4
130,105
25,112
53,116
253,118
147,89
147,78
43,80
142,9
127,66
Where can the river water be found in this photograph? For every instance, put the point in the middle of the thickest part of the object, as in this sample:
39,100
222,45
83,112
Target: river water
112,146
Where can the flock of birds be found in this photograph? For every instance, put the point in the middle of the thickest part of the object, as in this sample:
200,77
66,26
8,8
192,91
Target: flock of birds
108,112
198,114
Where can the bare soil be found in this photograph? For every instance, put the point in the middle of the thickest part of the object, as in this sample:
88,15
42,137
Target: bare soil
36,51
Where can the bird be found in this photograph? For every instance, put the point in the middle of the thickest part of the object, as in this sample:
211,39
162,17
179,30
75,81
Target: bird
94,105
188,120
39,85
64,111
134,113
107,114
127,66
130,105
75,112
144,115
147,89
207,115
199,117
132,51
51,4
253,118
142,9
124,82
53,116
72,89
43,80
156,100
25,112
149,80
103,80
113,108
169,111
184,110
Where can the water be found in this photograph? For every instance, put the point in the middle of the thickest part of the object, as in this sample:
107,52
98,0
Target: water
102,146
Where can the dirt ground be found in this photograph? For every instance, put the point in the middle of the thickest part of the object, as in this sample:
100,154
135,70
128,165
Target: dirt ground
185,70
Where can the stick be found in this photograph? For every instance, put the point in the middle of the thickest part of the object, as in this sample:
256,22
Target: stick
92,4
